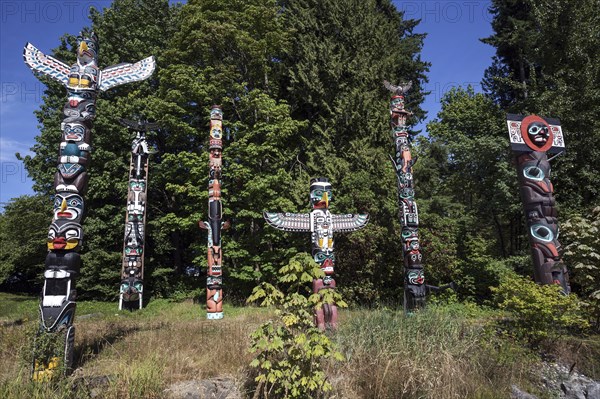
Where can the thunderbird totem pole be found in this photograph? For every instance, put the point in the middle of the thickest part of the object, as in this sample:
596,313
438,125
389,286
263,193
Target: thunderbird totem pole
214,274
414,279
531,139
132,269
321,224
65,236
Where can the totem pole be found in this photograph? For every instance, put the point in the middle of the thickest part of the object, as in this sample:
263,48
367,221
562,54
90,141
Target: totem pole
65,236
214,274
322,224
132,269
531,138
414,279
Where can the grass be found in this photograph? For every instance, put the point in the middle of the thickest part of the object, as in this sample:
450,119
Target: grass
136,354
449,351
441,352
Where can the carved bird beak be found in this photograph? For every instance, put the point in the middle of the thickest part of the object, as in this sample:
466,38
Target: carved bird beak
326,200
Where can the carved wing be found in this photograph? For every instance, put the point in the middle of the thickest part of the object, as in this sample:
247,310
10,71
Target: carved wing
398,90
349,222
288,221
50,66
117,75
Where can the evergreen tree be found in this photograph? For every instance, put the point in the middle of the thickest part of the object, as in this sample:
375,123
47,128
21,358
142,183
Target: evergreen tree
545,64
474,189
340,54
23,231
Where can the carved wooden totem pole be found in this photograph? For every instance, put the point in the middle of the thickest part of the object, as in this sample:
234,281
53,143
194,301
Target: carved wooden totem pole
132,269
414,278
65,236
531,139
321,224
214,225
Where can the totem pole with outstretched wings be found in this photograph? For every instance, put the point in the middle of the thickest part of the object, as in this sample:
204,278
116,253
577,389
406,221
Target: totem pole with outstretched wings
82,80
321,224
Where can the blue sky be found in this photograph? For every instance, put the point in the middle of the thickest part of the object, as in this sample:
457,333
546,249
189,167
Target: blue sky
452,46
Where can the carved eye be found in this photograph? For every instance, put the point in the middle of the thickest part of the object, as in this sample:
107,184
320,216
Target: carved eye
71,233
74,203
51,234
542,233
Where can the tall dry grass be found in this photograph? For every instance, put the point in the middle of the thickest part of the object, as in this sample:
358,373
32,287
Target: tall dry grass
437,353
134,355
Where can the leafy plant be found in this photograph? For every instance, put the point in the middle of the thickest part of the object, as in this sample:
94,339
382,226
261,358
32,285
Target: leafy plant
582,254
290,349
538,311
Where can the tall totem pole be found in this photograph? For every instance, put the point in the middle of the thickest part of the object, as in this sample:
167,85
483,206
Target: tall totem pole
214,225
65,236
414,279
132,269
321,224
531,139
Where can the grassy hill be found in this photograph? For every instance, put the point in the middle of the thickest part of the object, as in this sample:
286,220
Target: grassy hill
450,351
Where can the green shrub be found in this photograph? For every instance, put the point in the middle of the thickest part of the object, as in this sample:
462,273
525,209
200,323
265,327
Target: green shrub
581,236
537,311
290,349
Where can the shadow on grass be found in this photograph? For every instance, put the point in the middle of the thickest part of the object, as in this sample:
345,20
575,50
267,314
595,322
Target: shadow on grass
93,347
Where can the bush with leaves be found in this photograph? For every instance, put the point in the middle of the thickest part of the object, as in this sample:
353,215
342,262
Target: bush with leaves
290,349
539,312
581,236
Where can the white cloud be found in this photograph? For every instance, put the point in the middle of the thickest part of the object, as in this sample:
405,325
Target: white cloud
9,147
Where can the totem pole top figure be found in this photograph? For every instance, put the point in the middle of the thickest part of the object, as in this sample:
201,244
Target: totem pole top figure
320,197
534,133
85,75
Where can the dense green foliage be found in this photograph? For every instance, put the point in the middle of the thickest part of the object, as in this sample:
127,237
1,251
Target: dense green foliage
539,311
299,102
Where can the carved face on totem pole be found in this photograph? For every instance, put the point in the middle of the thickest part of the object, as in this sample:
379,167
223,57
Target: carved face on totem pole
75,131
534,133
64,235
87,48
68,206
396,104
84,74
538,133
320,193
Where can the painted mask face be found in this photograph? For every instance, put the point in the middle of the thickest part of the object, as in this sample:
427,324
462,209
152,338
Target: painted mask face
325,258
64,235
415,277
538,133
137,185
133,250
320,194
216,113
73,131
397,103
409,233
87,48
68,206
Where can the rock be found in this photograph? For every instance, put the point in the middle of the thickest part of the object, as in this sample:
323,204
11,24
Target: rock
516,393
213,388
593,390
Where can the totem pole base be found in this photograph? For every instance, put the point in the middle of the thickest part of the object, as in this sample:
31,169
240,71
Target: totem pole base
326,317
214,316
53,367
